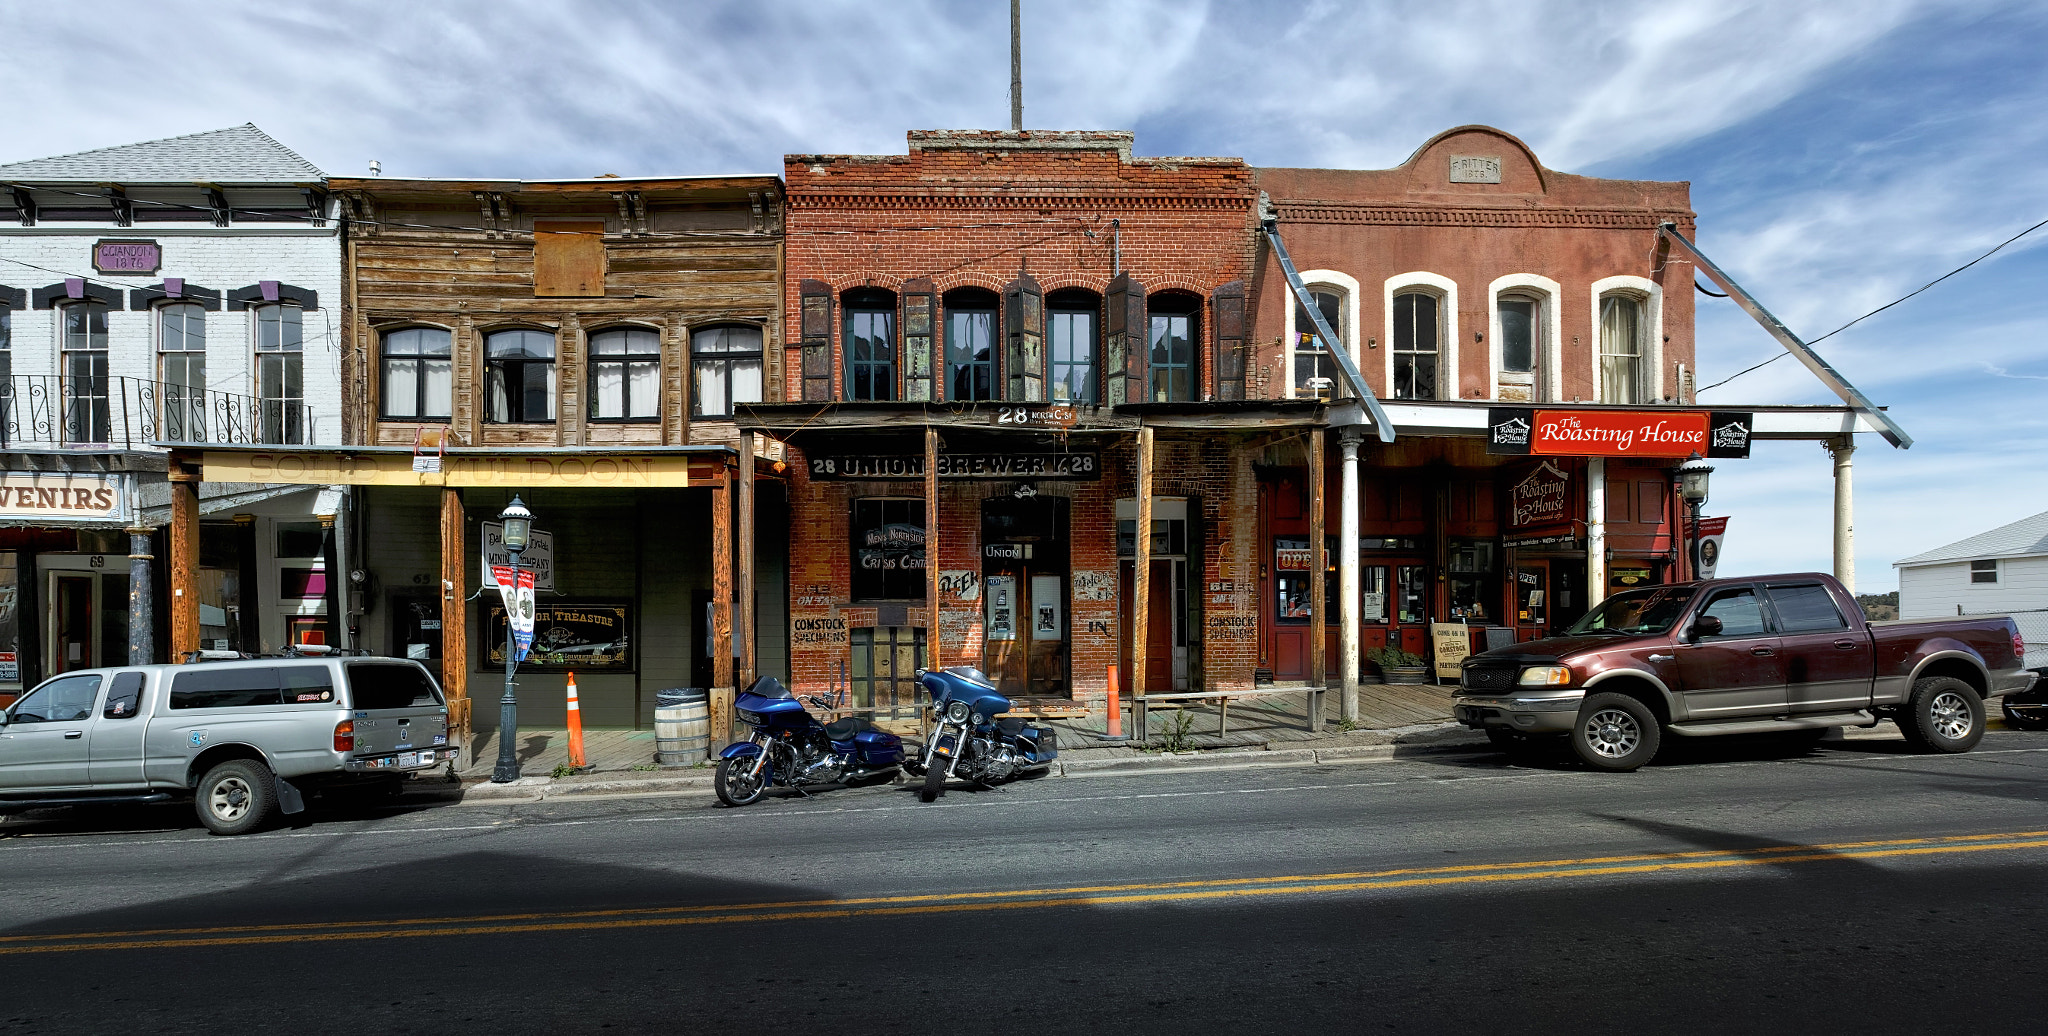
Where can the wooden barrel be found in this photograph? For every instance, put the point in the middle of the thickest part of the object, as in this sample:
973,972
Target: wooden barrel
682,727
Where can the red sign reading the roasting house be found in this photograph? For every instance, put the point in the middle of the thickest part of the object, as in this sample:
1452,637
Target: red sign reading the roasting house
1618,433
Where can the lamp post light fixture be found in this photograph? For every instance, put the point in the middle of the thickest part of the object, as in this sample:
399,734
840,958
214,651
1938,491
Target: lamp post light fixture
1692,488
517,531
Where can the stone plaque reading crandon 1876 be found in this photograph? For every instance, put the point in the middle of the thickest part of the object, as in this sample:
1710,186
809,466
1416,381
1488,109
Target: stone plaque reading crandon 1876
1475,169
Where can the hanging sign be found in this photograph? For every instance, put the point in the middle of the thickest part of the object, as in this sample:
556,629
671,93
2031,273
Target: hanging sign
1521,431
1712,532
1542,498
538,558
519,604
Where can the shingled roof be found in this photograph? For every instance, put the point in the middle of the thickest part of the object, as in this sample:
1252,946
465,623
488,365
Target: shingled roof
236,155
2024,537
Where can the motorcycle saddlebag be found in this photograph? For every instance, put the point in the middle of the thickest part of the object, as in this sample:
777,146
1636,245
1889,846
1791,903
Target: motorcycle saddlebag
1040,744
878,747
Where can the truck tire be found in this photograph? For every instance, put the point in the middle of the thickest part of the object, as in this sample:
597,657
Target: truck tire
1943,714
235,797
1616,733
2030,714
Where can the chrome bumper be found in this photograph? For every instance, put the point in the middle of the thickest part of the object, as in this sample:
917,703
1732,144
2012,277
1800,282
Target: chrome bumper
2013,682
1551,713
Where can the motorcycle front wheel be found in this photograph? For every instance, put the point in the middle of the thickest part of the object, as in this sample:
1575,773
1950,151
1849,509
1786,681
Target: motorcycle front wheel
737,783
934,782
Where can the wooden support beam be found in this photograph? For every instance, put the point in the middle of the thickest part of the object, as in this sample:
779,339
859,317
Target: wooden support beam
455,619
184,571
1141,583
721,609
1318,576
931,547
747,630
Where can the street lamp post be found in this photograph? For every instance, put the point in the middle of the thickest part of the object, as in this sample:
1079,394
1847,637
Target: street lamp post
517,528
1692,487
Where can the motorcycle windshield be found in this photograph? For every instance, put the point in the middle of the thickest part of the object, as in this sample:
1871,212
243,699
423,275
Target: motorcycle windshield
769,687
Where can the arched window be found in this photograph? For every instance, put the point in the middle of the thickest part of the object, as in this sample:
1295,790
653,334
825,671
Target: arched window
971,344
725,368
1621,349
625,375
1072,317
870,345
281,373
519,377
86,412
1522,347
1174,338
1418,345
181,369
1315,369
419,374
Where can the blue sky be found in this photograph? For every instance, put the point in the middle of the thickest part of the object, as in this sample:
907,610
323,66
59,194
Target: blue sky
1841,154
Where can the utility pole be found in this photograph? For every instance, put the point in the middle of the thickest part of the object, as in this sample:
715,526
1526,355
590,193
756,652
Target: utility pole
1016,67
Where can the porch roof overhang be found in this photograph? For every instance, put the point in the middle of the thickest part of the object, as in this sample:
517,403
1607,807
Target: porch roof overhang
461,467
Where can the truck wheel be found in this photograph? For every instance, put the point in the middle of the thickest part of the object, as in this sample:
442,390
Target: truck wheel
1943,714
235,797
2024,715
1616,733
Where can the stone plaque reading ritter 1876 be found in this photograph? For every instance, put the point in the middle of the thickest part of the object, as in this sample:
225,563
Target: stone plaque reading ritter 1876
1475,169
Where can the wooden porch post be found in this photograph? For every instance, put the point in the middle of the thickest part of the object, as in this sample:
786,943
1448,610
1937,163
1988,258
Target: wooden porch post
1141,585
746,627
1318,578
931,547
184,549
455,620
721,609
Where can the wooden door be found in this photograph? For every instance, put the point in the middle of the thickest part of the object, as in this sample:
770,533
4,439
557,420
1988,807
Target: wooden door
1005,652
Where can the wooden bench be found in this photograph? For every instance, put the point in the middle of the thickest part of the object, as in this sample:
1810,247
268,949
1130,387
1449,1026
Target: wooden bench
1181,699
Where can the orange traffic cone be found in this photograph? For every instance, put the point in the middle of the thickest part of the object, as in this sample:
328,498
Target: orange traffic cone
575,727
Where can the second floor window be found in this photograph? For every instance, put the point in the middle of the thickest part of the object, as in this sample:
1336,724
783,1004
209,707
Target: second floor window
86,411
419,374
1521,341
725,368
281,373
1172,342
1417,341
181,368
971,348
1621,350
1071,339
870,350
1315,372
519,377
625,375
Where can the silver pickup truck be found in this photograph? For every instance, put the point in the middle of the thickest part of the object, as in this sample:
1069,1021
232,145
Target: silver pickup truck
243,738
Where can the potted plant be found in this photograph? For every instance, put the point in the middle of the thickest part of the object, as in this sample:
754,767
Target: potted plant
1398,666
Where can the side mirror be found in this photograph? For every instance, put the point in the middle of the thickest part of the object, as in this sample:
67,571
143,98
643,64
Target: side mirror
1706,626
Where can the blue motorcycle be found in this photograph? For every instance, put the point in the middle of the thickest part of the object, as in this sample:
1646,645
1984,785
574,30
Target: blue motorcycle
969,739
789,748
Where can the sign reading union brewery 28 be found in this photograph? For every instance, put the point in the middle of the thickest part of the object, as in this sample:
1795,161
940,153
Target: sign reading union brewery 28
1072,467
1519,431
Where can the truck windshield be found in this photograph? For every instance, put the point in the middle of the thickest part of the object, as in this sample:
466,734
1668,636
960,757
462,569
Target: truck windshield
1636,611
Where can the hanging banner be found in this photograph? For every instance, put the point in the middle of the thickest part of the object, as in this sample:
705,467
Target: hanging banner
1712,532
518,604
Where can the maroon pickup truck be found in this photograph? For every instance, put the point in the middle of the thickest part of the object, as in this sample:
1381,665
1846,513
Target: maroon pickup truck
1740,656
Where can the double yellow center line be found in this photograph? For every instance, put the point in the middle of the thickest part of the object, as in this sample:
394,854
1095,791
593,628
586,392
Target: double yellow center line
954,902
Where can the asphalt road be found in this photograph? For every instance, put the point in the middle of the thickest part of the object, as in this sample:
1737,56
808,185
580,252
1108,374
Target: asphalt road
1735,887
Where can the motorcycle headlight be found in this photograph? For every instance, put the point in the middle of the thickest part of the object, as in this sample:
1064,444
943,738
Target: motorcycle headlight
1545,676
957,711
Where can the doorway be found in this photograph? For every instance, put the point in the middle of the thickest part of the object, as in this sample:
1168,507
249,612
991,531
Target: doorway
885,664
1166,585
1026,639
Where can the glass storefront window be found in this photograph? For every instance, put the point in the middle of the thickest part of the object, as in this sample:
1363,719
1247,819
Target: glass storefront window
1474,578
10,624
1412,593
1531,596
1169,537
1372,581
888,550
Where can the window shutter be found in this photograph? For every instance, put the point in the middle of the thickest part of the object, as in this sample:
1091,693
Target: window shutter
816,300
1024,320
920,338
1228,303
1123,342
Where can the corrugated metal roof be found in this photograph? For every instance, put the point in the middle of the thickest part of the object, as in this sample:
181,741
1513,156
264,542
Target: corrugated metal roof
238,155
2024,537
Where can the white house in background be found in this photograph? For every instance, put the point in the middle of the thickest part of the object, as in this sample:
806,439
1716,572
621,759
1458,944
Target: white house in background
2000,572
158,295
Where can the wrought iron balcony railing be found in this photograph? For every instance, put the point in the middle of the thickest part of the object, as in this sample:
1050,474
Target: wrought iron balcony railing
133,413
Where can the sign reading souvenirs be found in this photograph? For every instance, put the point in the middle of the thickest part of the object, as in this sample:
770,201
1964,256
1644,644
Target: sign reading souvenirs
75,497
1070,467
1520,431
583,637
127,256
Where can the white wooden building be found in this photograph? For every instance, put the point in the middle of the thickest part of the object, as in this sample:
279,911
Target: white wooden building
2000,572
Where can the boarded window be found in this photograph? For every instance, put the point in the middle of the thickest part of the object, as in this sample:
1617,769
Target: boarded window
568,259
